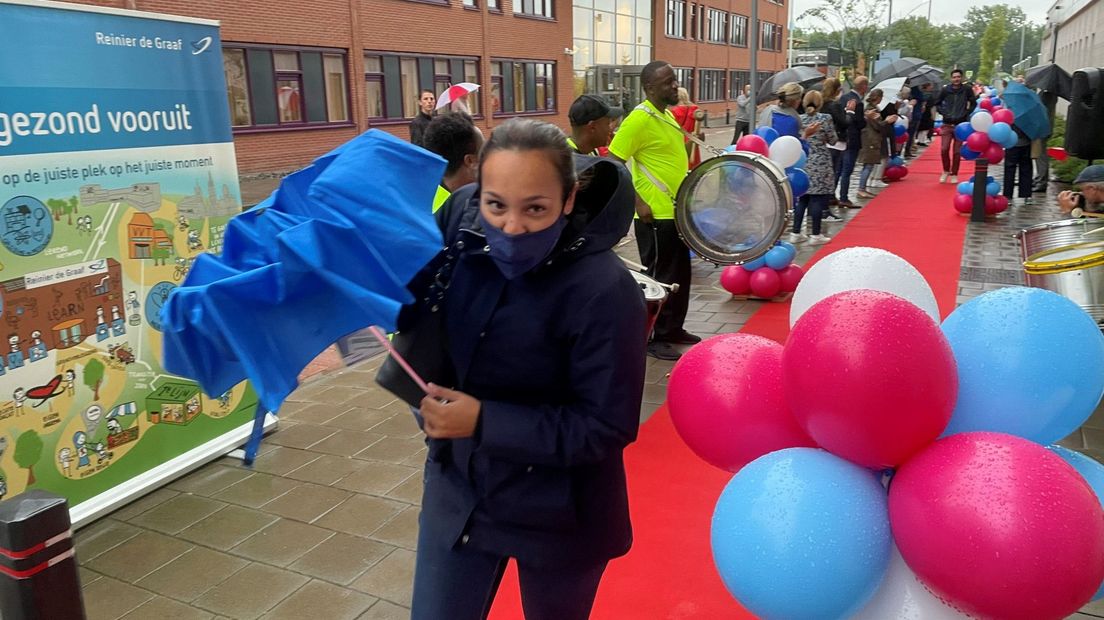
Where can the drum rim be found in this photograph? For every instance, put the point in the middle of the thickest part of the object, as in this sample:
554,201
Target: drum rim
698,244
1037,265
643,278
1056,224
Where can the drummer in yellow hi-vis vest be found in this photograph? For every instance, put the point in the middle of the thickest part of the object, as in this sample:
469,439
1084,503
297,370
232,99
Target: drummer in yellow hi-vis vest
653,144
454,137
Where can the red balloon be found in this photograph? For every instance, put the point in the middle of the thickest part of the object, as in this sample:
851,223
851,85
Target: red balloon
995,153
791,277
999,526
991,205
896,173
903,138
894,383
753,144
1004,115
986,103
963,203
736,280
726,401
765,283
978,142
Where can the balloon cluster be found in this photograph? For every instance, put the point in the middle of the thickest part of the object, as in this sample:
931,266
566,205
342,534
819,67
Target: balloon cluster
788,152
888,466
765,277
994,201
988,132
896,168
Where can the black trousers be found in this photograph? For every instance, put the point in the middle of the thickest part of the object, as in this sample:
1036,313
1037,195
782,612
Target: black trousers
461,583
668,260
741,129
1017,160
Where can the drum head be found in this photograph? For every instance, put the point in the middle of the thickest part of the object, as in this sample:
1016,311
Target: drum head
732,208
1066,258
652,289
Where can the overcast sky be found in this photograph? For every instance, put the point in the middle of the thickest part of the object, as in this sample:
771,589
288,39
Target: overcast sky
942,11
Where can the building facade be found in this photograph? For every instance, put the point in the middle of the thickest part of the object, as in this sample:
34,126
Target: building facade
304,77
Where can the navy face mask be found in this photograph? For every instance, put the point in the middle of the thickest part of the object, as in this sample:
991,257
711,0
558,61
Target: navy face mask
518,254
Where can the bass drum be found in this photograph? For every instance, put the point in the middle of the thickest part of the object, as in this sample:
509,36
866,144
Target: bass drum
733,208
655,295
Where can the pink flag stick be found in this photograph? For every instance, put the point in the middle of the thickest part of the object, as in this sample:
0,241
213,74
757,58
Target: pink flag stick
382,337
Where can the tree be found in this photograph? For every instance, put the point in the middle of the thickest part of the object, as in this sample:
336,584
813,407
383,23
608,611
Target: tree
93,377
70,208
858,22
992,43
57,207
916,36
28,449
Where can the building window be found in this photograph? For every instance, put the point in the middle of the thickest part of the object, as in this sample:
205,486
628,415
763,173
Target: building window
272,87
470,4
523,87
737,80
394,82
493,5
237,87
739,30
693,34
770,36
685,78
373,76
718,26
676,18
712,85
537,8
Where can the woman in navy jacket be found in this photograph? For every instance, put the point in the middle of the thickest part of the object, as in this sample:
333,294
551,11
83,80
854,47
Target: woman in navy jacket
545,330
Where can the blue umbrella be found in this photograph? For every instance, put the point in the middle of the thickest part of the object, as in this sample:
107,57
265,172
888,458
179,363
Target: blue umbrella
1031,114
330,252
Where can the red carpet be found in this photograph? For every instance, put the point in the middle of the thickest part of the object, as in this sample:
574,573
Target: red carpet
669,573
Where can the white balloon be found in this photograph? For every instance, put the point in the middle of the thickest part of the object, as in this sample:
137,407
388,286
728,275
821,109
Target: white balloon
904,122
982,121
785,151
856,268
902,597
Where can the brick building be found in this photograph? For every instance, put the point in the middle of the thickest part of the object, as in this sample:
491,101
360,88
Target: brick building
305,76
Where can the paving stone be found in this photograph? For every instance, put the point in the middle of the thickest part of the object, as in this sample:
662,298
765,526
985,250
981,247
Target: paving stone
208,481
341,558
386,610
391,579
161,608
410,490
139,556
399,425
256,490
402,530
110,599
178,513
301,435
376,478
328,469
321,600
192,574
392,449
282,542
347,443
144,503
228,527
281,460
306,502
251,592
102,536
360,515
360,419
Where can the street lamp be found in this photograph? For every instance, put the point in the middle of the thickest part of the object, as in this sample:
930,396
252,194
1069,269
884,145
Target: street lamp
927,2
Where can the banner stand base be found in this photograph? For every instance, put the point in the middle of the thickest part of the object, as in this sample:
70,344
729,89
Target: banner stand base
227,445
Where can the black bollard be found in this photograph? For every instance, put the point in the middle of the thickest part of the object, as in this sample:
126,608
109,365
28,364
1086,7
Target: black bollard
38,568
981,175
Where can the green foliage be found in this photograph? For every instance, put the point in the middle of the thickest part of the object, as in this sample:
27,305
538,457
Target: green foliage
992,43
93,376
857,23
915,36
28,450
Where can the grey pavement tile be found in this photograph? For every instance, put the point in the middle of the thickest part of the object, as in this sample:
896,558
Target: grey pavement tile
209,480
139,556
192,574
251,592
306,502
376,478
110,599
144,503
328,469
161,608
386,610
347,443
392,449
282,542
316,412
228,527
391,579
363,397
410,490
256,490
321,600
400,531
361,515
87,576
281,460
102,536
178,513
399,425
341,558
301,435
360,418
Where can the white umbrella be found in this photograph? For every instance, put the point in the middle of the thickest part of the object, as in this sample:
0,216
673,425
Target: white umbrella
454,92
891,88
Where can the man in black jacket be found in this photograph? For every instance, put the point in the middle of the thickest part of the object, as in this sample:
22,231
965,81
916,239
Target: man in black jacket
955,102
426,102
854,134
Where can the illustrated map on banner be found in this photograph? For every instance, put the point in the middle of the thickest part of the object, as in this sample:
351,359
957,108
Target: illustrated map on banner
112,181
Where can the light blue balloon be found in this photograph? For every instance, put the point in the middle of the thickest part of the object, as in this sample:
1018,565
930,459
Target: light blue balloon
966,187
777,258
731,148
1093,473
999,132
896,160
1029,364
791,251
801,160
800,533
992,188
752,265
1011,141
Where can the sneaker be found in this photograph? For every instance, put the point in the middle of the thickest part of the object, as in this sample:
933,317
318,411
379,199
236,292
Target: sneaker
865,194
954,179
681,337
663,351
796,238
877,183
819,239
832,217
943,178
1028,201
847,204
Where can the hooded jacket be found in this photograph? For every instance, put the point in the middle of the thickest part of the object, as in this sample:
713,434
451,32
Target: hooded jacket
557,358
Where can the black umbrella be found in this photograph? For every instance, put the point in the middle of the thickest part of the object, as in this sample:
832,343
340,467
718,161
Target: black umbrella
1050,78
806,77
926,74
901,67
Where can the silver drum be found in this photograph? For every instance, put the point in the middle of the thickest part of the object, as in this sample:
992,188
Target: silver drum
1053,235
1075,271
655,294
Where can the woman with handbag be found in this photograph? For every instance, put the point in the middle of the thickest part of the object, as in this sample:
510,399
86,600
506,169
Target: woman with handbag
545,342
